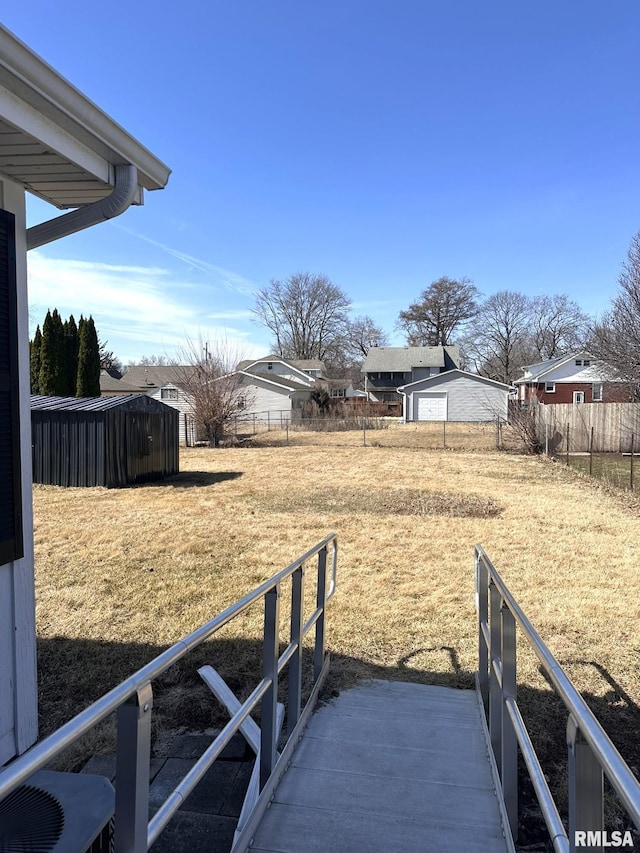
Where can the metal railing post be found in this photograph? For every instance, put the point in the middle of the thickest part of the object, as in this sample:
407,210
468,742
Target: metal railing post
318,651
495,686
482,593
586,787
133,754
295,665
268,705
509,775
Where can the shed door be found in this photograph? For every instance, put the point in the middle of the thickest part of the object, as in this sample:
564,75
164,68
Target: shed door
432,406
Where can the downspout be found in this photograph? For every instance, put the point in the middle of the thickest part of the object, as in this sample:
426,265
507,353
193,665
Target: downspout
123,195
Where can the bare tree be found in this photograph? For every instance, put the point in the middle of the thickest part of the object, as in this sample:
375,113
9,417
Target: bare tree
207,373
153,361
558,326
499,340
307,315
616,336
362,334
443,309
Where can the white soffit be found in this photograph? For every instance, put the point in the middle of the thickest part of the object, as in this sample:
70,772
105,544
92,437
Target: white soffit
55,141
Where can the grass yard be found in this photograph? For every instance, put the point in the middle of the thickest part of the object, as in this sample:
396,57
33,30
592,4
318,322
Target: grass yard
123,574
612,468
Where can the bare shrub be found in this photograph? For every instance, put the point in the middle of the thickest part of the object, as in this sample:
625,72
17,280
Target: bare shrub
523,430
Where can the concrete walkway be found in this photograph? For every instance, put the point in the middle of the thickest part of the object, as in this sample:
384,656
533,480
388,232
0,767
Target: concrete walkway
388,766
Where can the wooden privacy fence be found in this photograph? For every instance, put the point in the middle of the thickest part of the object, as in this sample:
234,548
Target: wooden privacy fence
588,427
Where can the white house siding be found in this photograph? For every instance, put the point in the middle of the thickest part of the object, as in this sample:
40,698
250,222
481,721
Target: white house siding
469,398
182,404
569,371
266,401
19,719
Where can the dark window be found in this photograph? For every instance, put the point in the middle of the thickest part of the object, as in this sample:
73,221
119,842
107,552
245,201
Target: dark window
10,493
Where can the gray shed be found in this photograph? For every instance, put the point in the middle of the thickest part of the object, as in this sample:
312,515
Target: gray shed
454,396
102,441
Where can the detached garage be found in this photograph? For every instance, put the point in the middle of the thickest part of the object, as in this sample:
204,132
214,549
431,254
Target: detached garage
454,396
102,441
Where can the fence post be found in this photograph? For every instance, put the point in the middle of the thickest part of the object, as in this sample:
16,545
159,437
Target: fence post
509,774
133,752
321,595
495,690
567,443
546,438
482,593
444,435
287,433
591,453
586,786
295,664
268,705
631,466
364,431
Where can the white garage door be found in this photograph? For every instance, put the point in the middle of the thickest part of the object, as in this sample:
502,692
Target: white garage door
432,406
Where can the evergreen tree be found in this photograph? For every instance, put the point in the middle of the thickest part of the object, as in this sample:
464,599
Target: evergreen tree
88,384
34,361
71,345
51,375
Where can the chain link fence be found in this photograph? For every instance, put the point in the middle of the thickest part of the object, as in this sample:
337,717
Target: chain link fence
368,431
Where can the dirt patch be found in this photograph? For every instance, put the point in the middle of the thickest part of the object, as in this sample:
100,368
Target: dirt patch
405,501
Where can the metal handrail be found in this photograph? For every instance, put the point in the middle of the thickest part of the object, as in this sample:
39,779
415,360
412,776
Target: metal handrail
132,699
590,750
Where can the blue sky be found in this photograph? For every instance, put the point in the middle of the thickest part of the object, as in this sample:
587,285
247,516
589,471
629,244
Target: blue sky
384,144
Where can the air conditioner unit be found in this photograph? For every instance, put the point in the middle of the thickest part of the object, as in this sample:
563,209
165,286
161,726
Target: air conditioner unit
58,813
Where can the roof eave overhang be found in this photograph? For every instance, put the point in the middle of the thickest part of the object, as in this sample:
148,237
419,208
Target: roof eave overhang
41,104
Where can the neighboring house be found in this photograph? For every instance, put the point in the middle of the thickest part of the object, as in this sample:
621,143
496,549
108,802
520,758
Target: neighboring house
385,369
112,385
165,384
57,144
277,386
575,378
280,386
302,371
342,389
454,396
272,398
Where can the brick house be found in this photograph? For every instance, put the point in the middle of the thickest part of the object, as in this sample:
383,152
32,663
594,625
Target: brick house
575,378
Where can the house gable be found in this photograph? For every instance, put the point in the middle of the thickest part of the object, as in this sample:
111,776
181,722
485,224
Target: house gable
304,372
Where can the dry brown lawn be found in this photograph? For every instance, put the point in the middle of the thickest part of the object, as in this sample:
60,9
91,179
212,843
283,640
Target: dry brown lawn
123,574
